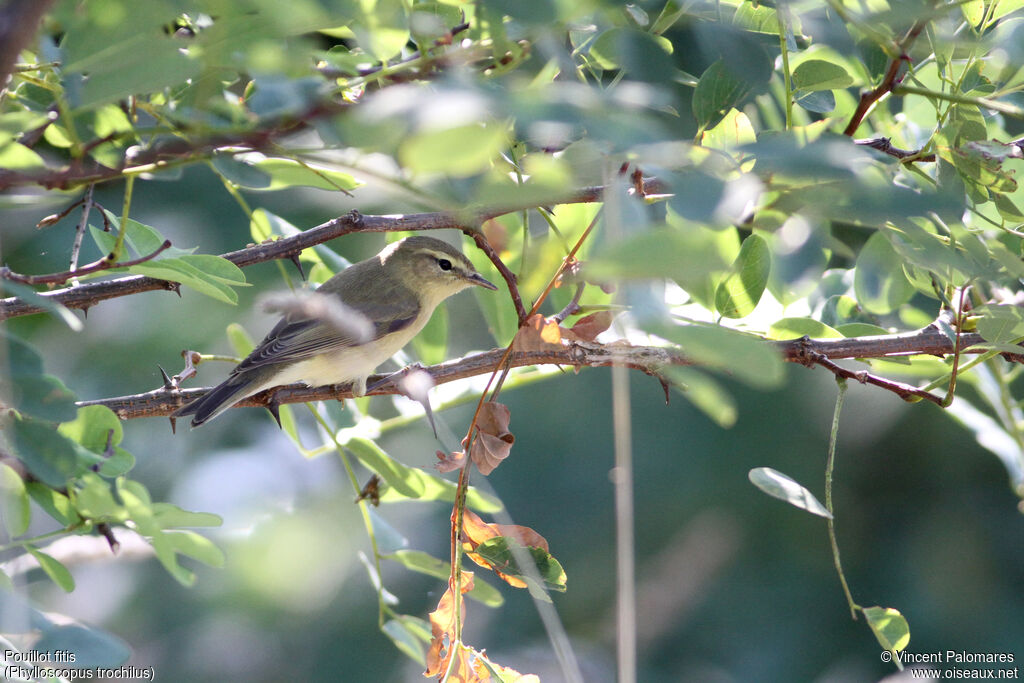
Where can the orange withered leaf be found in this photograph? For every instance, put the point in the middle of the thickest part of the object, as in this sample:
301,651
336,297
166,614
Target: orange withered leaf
537,334
442,628
473,666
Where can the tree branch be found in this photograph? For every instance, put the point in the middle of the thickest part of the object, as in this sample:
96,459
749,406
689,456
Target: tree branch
165,152
648,359
94,267
869,97
87,295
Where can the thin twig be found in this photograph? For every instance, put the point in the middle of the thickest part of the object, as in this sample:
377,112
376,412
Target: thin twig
885,145
94,267
907,392
83,223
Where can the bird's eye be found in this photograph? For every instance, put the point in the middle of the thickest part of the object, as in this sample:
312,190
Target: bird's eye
445,264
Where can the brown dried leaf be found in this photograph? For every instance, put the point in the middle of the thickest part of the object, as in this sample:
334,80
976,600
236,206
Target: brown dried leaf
588,327
494,441
442,627
450,462
473,666
537,334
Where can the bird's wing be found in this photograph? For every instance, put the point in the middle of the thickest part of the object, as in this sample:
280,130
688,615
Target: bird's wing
298,338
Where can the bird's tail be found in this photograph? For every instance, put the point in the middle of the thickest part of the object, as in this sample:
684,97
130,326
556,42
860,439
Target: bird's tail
220,398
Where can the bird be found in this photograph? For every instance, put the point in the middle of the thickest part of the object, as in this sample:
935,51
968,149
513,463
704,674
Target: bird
352,323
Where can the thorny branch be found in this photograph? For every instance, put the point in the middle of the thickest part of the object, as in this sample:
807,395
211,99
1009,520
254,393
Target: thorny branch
648,359
94,267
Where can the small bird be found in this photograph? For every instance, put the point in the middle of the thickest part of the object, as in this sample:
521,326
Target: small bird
364,315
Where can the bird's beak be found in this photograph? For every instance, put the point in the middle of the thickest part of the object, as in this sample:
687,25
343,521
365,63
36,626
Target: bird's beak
478,279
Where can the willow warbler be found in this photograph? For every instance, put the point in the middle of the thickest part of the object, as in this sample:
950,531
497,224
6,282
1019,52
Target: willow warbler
387,299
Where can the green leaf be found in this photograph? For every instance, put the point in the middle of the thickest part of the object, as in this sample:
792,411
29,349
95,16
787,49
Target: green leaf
425,563
168,516
16,157
91,429
778,485
818,74
878,280
286,173
44,397
55,503
404,640
127,62
643,56
703,392
22,358
889,626
177,270
49,456
732,131
94,427
93,498
501,552
407,482
31,296
794,328
216,268
747,358
717,92
738,294
818,101
461,151
15,510
197,547
57,572
1000,323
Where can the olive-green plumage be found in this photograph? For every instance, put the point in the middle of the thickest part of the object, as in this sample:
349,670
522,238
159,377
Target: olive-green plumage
394,292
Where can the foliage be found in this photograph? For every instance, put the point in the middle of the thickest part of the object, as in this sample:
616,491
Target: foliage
734,208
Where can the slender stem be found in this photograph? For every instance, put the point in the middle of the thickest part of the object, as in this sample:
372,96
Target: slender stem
115,255
983,102
783,15
363,509
829,468
83,223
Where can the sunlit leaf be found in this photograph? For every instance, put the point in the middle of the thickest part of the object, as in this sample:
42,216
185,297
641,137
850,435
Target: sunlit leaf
738,294
57,572
778,485
889,626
